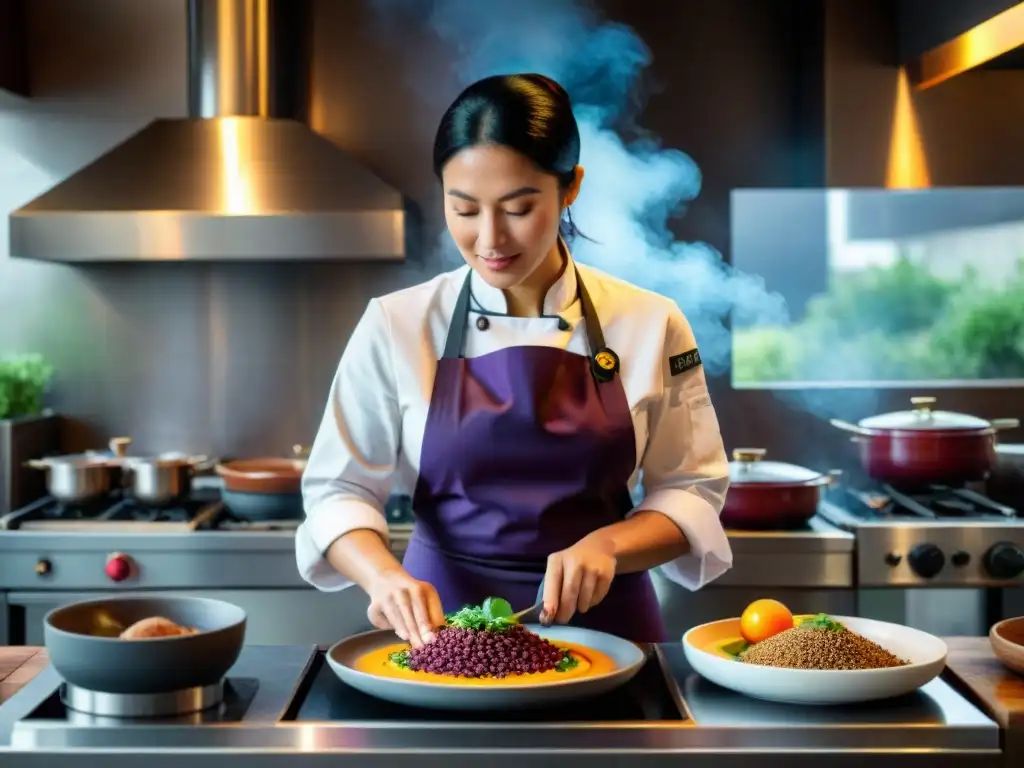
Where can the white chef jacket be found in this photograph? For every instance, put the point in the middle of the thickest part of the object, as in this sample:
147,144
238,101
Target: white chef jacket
368,444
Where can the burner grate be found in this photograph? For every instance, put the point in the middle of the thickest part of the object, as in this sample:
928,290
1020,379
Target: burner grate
115,512
886,503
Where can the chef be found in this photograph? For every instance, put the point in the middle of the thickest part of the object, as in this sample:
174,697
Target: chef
520,399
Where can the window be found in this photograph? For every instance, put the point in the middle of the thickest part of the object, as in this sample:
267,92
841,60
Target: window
883,287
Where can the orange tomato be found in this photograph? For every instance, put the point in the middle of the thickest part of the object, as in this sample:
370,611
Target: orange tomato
764,618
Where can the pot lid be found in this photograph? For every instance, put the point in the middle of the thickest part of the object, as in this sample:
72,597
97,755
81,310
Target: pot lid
922,417
749,467
170,459
82,460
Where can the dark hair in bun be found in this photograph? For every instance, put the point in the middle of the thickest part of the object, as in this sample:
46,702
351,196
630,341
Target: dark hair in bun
529,113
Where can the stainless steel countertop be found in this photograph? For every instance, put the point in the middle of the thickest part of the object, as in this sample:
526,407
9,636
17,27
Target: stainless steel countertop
934,727
819,556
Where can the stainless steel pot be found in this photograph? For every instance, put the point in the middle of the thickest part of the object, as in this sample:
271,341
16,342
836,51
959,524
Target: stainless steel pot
82,477
164,479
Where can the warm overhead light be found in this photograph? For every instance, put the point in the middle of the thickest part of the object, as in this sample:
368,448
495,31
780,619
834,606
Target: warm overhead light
907,166
984,42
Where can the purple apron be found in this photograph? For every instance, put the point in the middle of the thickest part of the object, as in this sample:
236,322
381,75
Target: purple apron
526,451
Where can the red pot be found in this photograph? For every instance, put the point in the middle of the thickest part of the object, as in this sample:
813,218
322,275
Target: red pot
769,494
926,447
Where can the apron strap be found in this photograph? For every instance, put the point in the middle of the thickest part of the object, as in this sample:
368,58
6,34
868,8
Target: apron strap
595,336
455,340
457,326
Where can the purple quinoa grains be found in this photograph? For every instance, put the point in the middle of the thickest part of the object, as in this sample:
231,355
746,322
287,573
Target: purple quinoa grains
481,653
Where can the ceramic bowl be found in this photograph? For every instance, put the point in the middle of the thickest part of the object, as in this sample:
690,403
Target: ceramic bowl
1007,638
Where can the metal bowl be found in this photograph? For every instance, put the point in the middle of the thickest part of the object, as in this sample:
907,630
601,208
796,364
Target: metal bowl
80,646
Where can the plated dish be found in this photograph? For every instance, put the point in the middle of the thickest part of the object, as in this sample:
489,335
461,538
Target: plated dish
482,645
492,659
769,653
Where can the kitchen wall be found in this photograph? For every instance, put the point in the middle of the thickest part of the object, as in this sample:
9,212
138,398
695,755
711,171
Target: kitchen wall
236,359
969,126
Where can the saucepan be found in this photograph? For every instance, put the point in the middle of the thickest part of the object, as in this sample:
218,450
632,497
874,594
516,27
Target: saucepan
265,488
163,479
82,477
770,494
925,446
83,643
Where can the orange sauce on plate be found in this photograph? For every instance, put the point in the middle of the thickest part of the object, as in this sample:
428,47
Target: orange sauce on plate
590,664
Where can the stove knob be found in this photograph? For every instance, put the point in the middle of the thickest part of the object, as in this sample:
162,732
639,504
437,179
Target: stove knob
119,567
926,560
1005,560
960,558
43,567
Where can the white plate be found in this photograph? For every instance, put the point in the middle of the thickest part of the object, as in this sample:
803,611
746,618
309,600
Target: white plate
628,658
926,654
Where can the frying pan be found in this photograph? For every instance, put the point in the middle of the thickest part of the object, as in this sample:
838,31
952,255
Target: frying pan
87,659
263,506
265,488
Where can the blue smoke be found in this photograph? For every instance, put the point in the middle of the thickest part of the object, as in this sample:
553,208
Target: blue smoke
632,187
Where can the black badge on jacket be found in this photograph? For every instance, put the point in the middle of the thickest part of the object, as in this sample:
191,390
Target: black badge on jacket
605,364
687,361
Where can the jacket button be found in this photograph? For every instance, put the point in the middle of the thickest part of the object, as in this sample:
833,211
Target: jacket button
482,323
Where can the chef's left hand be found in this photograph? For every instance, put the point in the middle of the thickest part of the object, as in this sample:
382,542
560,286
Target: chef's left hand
577,578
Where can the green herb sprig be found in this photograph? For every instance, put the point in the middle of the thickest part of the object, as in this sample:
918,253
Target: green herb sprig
400,659
822,621
566,663
495,615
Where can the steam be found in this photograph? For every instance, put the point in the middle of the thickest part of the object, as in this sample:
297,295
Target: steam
632,188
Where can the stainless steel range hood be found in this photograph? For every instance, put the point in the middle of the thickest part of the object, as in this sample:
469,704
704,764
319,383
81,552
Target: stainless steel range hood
243,178
994,40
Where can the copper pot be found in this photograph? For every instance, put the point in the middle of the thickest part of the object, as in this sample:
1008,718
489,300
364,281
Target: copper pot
770,494
265,475
926,447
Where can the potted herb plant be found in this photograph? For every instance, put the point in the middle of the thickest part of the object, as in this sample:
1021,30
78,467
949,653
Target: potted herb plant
27,429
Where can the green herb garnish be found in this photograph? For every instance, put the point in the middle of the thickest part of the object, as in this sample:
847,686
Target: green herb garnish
566,663
822,621
735,648
495,615
400,659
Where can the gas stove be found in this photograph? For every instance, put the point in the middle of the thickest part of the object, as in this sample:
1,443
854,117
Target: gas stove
202,510
286,701
52,554
117,513
937,536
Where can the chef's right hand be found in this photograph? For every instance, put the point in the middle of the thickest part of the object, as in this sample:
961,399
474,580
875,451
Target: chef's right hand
410,607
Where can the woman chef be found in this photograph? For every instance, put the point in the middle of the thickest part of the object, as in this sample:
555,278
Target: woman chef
521,396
